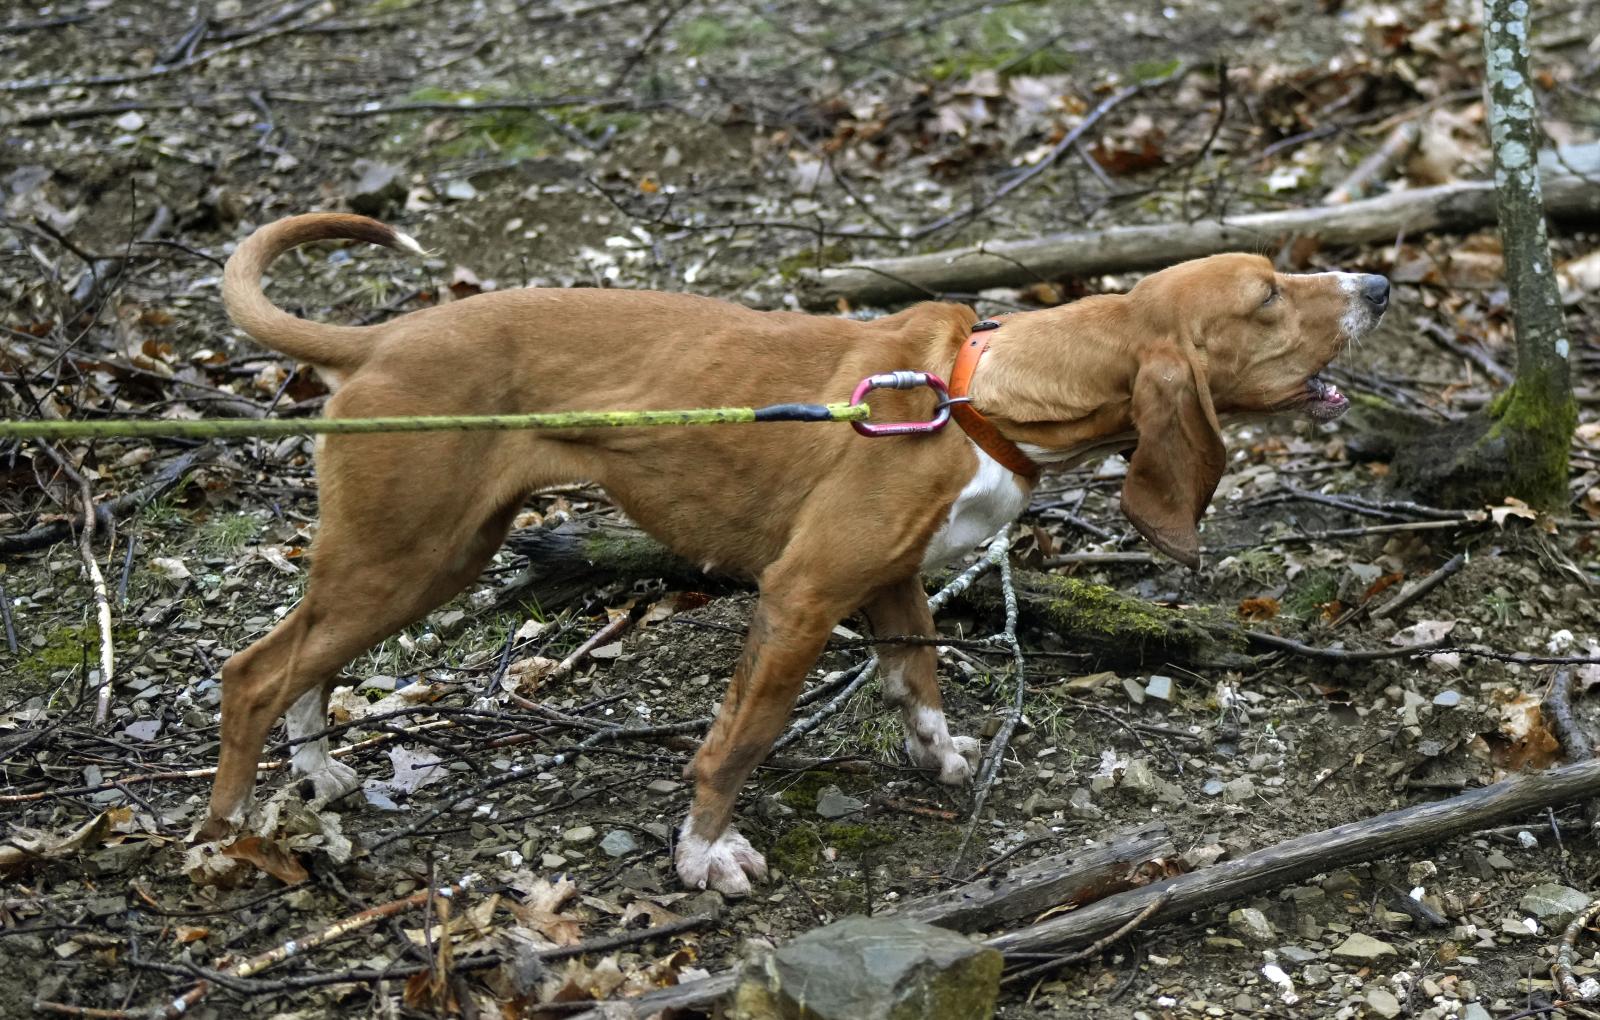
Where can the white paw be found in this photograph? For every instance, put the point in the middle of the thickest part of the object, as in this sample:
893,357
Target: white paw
726,865
930,746
331,780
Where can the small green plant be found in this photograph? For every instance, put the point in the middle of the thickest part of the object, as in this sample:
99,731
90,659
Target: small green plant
226,533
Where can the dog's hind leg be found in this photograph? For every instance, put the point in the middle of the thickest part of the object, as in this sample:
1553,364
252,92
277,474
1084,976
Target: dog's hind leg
373,571
911,681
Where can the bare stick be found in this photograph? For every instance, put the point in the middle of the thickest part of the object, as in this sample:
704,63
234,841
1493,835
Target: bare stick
1067,141
1576,744
1458,206
1394,148
1410,595
1567,958
162,70
998,552
102,602
1296,859
610,632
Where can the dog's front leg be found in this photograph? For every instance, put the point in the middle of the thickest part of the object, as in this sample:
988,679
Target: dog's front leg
792,621
911,681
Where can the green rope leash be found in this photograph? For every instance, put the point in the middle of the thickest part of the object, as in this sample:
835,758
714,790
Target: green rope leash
216,428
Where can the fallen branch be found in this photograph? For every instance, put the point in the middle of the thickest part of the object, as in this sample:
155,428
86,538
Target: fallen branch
1115,629
1461,206
1410,595
105,514
1060,880
1377,165
1407,829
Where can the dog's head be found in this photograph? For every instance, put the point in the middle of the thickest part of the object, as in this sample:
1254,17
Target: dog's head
1227,336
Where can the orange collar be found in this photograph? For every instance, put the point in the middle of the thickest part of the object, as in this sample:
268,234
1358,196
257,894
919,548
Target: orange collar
978,428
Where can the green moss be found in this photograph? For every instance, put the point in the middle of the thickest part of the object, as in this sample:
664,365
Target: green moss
1084,606
1005,40
703,35
812,258
66,647
801,794
798,851
855,838
1310,592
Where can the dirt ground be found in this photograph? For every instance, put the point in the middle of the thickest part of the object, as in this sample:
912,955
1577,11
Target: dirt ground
726,147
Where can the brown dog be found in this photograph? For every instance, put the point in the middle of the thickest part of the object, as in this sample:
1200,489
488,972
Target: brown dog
825,520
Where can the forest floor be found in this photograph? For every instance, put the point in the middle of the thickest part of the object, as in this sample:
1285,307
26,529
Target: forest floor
726,147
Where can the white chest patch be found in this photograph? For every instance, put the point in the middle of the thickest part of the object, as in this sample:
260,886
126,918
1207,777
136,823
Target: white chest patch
993,498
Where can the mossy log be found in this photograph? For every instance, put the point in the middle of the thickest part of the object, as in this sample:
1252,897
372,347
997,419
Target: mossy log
574,559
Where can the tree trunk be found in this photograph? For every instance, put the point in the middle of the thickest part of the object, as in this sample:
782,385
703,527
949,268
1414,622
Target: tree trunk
1519,447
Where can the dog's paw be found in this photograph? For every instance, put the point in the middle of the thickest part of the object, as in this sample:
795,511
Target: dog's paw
930,746
215,829
726,865
330,781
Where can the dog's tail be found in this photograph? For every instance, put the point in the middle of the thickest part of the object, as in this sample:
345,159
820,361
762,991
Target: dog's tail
341,348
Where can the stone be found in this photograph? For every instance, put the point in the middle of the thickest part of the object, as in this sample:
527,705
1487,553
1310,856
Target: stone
1081,804
378,186
1447,699
1473,1011
450,622
130,121
1134,691
833,802
663,786
618,842
1252,925
1297,954
579,834
1363,947
1382,1003
1212,787
1239,790
460,190
553,861
1041,803
1556,904
1138,775
871,969
1159,687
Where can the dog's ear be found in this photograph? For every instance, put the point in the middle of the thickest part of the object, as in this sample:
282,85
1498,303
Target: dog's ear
1179,457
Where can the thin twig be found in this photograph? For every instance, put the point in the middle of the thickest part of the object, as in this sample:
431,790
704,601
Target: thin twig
1090,119
999,550
1408,596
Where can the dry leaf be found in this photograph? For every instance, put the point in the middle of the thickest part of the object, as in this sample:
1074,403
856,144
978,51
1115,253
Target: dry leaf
1427,632
1259,609
1382,585
1513,507
269,856
23,846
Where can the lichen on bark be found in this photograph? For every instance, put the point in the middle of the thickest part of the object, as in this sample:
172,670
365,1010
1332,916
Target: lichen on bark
1518,447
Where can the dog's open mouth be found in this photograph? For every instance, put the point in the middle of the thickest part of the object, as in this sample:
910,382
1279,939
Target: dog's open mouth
1324,402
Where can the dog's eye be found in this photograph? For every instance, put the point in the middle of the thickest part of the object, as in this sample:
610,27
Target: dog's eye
1272,295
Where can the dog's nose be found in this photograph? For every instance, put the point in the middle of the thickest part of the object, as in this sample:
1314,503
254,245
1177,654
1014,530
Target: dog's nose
1376,290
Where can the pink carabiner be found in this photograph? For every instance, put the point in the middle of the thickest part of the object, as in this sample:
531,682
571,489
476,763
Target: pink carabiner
902,379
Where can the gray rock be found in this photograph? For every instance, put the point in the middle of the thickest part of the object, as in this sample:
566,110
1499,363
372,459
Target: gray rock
450,622
1081,804
1134,691
378,186
663,786
1383,1003
1212,787
1363,947
1557,904
1138,775
1297,954
1159,687
579,834
833,802
1041,803
1473,1011
1239,790
618,842
871,969
460,190
1447,699
1252,925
